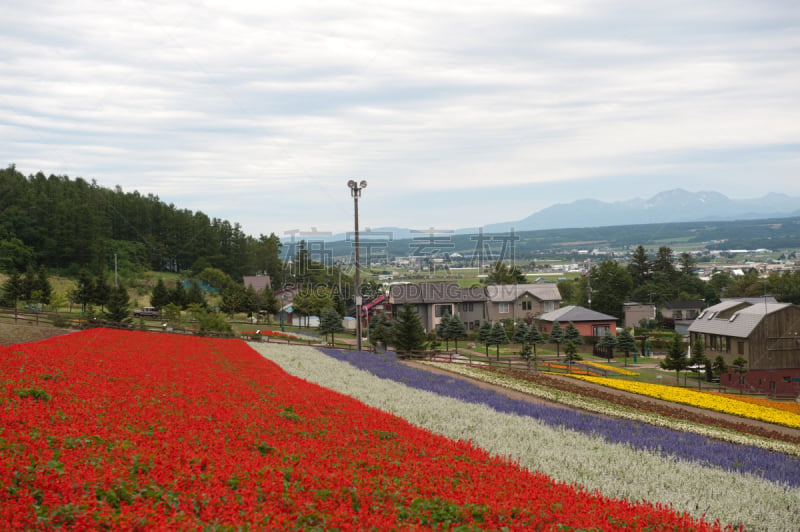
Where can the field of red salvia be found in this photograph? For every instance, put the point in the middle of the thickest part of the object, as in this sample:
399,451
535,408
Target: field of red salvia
123,429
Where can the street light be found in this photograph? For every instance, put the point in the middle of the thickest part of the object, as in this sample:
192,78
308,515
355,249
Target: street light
355,191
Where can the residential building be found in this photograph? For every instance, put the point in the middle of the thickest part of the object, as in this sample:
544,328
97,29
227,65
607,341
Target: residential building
680,314
636,312
432,301
588,322
766,334
521,301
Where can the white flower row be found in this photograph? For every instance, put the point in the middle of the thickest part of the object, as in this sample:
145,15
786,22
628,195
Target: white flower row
603,407
615,470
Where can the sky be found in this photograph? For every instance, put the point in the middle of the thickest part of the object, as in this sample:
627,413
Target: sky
457,114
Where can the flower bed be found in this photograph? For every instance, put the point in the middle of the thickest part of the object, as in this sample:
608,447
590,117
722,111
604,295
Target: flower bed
569,455
130,430
702,400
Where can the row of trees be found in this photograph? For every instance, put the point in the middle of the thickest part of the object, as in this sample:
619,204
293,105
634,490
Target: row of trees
665,277
60,223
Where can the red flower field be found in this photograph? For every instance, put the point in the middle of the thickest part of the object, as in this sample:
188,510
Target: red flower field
130,430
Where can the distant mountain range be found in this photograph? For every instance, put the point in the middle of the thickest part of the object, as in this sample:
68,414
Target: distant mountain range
671,206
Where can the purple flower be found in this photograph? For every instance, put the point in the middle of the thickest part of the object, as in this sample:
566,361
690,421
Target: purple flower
770,465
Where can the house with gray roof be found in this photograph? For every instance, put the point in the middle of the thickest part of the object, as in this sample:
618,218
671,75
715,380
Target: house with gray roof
433,301
588,322
521,301
765,333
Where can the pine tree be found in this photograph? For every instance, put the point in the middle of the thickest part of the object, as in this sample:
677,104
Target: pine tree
608,342
408,334
520,333
442,330
572,334
11,291
534,338
484,332
626,343
571,353
330,322
160,296
498,336
675,359
456,330
380,330
556,337
117,310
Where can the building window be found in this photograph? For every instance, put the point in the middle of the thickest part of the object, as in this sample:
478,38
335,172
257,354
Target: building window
787,379
548,306
467,307
678,315
504,308
740,348
601,330
441,311
527,305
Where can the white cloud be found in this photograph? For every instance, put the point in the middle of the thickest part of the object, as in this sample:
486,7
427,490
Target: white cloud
216,103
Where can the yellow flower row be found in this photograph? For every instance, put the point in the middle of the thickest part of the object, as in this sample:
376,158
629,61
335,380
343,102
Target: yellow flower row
763,401
714,402
620,371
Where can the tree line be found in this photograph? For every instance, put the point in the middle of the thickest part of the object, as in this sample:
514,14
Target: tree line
665,277
68,224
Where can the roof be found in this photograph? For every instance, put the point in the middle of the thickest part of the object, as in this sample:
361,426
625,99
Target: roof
503,293
367,306
258,282
690,304
739,324
431,293
575,313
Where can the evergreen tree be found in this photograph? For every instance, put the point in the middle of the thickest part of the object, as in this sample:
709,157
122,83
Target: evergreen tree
12,290
160,296
43,286
330,322
484,332
117,310
626,343
572,334
408,334
178,295
456,330
194,295
607,343
380,330
498,336
719,366
640,267
520,333
101,292
675,359
443,332
556,337
534,337
571,353
698,360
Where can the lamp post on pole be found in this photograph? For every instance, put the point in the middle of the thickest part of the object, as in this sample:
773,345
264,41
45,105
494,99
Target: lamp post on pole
355,191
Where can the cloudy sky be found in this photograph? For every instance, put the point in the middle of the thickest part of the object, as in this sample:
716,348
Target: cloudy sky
456,113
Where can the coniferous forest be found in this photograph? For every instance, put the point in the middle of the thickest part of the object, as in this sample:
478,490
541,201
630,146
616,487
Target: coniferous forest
70,225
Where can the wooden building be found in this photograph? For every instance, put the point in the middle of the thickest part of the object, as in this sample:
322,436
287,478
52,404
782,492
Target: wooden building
766,334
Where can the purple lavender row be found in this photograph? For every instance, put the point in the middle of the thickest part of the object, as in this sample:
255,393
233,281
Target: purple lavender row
770,465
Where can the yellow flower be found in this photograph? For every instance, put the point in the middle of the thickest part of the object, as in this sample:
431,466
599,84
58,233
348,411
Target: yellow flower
716,402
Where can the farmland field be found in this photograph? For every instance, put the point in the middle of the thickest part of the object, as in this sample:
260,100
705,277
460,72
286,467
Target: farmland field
123,429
